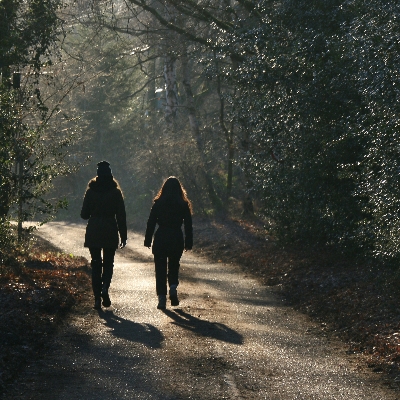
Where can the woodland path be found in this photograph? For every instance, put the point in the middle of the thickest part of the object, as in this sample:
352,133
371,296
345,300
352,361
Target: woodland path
230,338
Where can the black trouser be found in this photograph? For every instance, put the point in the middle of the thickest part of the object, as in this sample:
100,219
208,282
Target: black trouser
167,268
102,269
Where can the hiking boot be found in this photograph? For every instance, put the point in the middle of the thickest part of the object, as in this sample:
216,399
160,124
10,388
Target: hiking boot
173,296
97,303
162,302
106,298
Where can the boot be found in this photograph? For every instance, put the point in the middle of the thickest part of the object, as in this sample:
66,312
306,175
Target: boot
96,278
105,297
173,295
97,303
162,302
108,267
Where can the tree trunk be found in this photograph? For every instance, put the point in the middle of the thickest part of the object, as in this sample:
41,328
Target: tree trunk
171,89
151,92
229,179
247,203
194,127
229,135
20,164
171,92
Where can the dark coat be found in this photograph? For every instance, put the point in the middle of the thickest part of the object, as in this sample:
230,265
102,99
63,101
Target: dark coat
103,206
169,214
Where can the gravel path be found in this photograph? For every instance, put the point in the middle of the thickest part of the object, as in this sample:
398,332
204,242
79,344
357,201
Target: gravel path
230,338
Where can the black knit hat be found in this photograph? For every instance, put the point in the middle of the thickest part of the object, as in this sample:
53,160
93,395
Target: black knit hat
103,169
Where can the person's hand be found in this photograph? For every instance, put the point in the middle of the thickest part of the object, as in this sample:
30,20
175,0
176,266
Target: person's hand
122,244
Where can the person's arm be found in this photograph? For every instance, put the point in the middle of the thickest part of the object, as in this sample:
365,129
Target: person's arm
188,229
151,226
121,220
85,211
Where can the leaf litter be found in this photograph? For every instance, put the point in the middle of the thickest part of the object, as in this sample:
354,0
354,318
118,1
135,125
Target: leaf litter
36,293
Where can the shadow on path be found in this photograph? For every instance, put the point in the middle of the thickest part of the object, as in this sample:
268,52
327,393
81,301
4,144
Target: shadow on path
204,328
132,331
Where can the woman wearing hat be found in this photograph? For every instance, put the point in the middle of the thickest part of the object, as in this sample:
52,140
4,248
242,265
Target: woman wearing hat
103,206
171,209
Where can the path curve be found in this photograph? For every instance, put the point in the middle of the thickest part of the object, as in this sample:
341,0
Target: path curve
231,338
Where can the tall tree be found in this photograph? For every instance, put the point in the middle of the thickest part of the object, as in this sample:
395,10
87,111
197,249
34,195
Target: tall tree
31,157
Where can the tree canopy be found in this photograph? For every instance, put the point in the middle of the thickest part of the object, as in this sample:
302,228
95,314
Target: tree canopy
293,103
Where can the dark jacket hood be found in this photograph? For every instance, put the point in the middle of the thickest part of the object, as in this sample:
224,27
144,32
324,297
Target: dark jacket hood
102,184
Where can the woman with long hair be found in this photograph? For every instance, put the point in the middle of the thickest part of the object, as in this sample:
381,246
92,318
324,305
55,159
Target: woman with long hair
104,207
171,208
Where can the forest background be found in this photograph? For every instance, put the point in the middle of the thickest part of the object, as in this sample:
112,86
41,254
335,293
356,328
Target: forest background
289,108
281,117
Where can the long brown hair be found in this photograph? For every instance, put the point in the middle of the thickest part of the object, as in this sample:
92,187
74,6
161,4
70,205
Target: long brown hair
172,187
